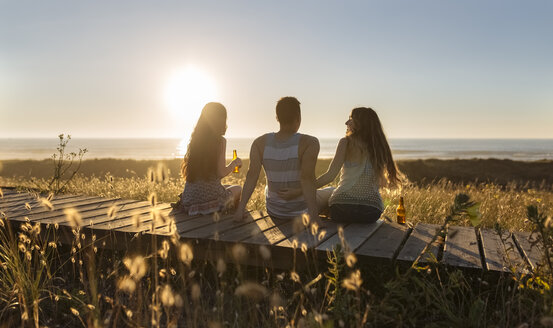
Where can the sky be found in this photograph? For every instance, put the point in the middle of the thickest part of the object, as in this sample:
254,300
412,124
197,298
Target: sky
143,69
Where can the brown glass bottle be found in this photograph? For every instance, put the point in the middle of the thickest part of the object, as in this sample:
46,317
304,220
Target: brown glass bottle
401,211
234,156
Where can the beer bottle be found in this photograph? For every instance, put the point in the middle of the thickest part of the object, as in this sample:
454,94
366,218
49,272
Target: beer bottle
234,156
400,211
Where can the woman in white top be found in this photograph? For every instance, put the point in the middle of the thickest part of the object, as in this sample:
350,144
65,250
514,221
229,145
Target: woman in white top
365,161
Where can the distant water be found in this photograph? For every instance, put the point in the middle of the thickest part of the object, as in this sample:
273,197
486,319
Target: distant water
516,149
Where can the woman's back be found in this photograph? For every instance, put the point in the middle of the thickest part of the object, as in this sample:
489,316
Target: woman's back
358,185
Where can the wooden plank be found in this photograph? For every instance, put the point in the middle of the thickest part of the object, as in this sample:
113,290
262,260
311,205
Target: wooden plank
62,202
124,217
14,198
8,191
461,248
177,216
214,230
421,235
10,204
532,251
282,230
384,243
89,211
249,230
499,256
355,234
307,237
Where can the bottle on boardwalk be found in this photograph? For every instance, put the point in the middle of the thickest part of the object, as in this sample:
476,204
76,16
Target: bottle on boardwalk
401,211
234,156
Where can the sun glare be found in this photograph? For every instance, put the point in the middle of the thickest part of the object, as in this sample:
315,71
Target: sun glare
187,91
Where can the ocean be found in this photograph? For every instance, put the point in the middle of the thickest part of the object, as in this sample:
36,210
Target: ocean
515,149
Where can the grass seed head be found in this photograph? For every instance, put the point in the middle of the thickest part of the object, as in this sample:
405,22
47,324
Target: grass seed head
314,229
239,252
322,234
152,198
75,312
305,219
137,267
265,252
185,254
46,203
252,290
164,251
353,282
73,216
351,259
127,285
295,277
221,266
112,211
167,297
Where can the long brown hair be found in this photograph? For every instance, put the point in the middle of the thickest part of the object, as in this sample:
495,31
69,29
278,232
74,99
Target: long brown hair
368,138
200,161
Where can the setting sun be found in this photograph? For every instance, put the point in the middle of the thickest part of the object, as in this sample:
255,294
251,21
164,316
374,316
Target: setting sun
187,91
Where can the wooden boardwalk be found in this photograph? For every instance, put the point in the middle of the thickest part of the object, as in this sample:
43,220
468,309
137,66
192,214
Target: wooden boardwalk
125,220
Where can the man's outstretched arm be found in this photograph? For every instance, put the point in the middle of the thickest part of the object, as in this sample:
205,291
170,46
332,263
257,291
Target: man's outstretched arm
308,162
251,178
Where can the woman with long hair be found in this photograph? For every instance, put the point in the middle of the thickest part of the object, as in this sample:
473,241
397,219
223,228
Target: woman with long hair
365,160
204,165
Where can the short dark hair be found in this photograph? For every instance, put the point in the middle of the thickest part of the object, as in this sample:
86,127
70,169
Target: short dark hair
287,110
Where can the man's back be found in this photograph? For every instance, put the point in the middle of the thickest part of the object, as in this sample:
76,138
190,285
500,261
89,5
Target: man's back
281,161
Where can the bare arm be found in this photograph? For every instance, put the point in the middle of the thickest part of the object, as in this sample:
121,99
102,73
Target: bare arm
335,165
251,178
308,162
222,169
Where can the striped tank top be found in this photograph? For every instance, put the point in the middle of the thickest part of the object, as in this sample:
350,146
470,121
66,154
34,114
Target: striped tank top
282,168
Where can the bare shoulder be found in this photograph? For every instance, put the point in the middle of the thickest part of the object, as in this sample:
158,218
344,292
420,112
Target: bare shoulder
343,142
309,141
259,142
258,146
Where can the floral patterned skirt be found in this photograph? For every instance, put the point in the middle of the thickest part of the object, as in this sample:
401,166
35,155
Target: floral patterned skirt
205,197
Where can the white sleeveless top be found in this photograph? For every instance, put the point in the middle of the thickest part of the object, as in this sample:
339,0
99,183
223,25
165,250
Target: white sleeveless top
358,186
283,170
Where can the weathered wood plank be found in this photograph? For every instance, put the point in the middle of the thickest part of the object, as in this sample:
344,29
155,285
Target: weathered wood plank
421,235
384,243
18,202
58,216
59,203
498,254
282,230
8,191
355,234
14,198
251,229
461,248
214,232
532,251
309,237
124,217
173,215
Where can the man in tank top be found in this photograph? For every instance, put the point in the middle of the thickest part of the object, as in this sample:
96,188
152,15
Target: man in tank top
288,159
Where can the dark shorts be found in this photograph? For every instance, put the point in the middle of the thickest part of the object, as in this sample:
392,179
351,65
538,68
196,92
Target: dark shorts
354,213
